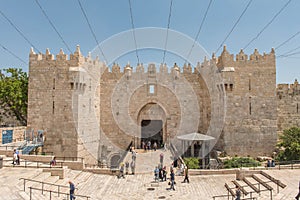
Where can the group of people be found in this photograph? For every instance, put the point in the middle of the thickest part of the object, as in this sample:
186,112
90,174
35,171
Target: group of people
148,145
124,168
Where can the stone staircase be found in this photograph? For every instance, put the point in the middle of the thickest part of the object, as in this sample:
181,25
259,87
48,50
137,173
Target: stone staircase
260,185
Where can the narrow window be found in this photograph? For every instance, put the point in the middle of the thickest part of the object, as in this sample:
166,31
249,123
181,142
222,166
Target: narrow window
151,89
53,107
54,84
249,84
297,108
72,86
250,106
225,86
231,86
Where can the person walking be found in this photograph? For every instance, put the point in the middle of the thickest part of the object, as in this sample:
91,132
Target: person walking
127,167
161,159
72,190
121,170
237,193
155,146
156,174
133,152
186,175
298,195
132,166
172,177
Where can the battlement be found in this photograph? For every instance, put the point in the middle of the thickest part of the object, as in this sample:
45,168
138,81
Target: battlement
74,59
293,88
227,60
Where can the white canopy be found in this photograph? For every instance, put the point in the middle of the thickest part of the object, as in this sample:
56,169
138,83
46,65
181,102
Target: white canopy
195,137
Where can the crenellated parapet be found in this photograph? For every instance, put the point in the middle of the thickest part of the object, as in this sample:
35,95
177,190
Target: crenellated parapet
288,89
226,59
75,59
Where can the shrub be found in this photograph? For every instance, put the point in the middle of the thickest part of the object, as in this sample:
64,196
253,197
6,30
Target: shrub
192,163
237,162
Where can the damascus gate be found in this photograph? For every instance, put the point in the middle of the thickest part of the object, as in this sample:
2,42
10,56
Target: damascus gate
95,111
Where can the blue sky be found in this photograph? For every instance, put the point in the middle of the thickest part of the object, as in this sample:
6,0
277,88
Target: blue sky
111,17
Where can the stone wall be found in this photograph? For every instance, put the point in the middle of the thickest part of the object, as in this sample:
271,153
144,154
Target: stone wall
58,91
288,106
251,116
90,110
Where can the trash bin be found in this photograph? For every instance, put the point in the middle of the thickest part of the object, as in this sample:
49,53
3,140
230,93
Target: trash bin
1,162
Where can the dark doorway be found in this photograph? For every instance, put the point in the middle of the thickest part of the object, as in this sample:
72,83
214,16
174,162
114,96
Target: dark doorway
152,130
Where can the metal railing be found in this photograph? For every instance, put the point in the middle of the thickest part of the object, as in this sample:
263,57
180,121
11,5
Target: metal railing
50,191
37,164
43,184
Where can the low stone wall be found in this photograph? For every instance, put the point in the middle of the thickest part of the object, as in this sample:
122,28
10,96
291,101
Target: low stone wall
75,165
8,153
36,158
106,171
60,172
195,172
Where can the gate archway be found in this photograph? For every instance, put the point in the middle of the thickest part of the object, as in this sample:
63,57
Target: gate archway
152,119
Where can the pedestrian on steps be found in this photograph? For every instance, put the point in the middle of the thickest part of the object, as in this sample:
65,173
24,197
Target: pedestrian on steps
72,190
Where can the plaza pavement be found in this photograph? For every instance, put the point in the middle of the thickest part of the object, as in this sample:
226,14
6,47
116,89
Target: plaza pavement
135,187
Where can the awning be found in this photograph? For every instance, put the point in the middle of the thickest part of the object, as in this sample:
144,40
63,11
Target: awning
195,137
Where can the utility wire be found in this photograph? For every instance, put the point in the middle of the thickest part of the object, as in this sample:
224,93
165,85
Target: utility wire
290,51
168,27
90,27
288,55
133,32
52,25
196,38
286,41
268,24
18,30
244,11
10,52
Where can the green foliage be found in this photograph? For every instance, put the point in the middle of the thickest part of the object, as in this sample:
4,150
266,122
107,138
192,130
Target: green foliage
289,145
13,92
192,163
237,162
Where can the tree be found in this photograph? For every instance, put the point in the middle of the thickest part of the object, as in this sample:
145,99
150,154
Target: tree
13,92
289,145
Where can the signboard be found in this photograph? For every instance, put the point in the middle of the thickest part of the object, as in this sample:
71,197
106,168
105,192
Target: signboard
7,136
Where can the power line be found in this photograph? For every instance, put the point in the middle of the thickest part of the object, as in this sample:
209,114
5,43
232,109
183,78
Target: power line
168,27
196,38
18,30
287,53
52,25
268,24
90,27
286,41
10,52
133,32
244,11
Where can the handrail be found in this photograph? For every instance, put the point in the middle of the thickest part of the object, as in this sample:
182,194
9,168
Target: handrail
77,195
48,164
43,183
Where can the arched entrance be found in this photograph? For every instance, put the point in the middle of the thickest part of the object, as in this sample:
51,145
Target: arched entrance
152,119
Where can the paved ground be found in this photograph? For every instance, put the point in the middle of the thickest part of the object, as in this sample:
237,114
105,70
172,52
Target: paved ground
140,186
